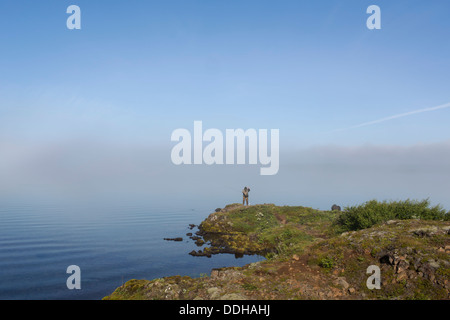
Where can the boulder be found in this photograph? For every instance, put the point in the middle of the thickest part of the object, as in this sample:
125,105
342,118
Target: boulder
335,207
425,232
402,266
386,257
340,281
402,276
233,296
213,292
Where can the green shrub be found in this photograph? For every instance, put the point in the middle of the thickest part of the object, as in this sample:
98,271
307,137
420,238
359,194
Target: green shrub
326,263
374,212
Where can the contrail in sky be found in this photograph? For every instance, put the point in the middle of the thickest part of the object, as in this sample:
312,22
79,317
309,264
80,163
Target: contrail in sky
401,115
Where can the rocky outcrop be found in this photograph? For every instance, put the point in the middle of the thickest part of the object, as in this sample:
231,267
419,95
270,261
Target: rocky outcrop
219,231
413,257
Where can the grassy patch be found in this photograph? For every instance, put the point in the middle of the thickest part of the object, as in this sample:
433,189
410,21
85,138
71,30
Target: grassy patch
249,287
253,219
282,229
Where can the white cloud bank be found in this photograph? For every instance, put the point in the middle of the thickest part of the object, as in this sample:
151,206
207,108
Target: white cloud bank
317,177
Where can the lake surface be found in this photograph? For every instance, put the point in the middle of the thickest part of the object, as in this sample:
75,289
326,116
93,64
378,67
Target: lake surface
110,243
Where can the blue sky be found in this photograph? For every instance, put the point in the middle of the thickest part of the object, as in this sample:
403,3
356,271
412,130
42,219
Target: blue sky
137,70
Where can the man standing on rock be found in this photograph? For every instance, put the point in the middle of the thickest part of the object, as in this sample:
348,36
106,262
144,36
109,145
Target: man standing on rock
245,195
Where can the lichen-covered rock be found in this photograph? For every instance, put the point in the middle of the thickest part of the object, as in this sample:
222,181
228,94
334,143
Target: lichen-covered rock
233,296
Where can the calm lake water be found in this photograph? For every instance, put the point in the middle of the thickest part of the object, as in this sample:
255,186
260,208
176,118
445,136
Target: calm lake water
110,243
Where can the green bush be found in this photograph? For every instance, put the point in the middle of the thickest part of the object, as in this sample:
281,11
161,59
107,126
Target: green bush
326,263
374,212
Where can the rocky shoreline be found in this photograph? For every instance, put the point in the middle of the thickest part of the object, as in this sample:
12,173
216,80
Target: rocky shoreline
215,232
307,259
